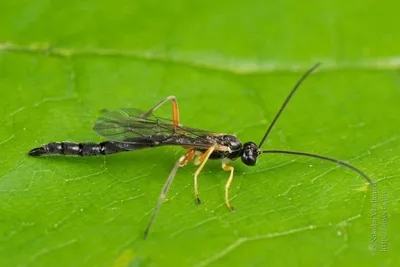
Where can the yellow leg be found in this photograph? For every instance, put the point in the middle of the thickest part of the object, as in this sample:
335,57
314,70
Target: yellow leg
228,168
175,109
202,159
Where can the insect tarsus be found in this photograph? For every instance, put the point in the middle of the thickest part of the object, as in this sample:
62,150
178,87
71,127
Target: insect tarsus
132,129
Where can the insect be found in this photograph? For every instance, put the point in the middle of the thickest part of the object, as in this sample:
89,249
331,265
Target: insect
130,129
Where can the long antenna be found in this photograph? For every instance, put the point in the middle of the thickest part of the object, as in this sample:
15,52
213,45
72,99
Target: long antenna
324,158
286,102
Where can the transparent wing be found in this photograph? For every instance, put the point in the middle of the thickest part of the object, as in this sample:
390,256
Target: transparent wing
129,124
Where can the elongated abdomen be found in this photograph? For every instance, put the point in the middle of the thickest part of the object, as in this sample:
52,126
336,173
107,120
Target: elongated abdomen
83,149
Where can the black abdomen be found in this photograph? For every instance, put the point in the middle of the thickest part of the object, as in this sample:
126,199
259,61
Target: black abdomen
82,149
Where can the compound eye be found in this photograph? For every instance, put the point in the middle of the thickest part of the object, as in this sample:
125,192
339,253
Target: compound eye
249,160
250,154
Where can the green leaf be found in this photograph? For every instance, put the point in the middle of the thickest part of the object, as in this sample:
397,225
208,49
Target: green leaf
231,65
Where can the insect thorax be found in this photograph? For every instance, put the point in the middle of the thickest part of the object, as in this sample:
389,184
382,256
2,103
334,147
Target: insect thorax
230,141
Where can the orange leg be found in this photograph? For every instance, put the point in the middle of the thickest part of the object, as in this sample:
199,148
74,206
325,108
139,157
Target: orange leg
175,109
228,168
188,157
181,162
202,161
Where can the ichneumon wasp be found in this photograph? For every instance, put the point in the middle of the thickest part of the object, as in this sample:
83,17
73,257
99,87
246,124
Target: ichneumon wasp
130,129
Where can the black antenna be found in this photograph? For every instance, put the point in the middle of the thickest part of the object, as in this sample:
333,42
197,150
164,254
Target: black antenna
286,102
324,158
